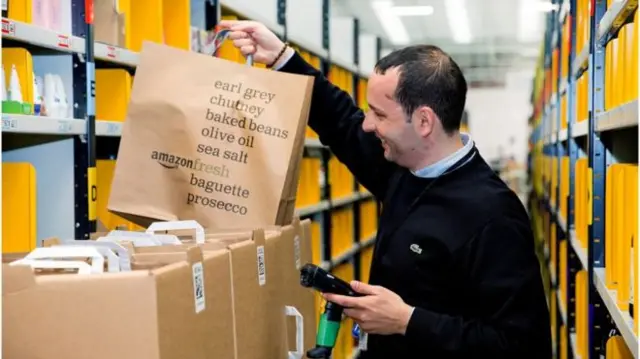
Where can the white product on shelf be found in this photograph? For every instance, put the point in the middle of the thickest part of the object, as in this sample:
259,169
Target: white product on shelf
62,95
48,14
37,95
4,85
15,90
51,100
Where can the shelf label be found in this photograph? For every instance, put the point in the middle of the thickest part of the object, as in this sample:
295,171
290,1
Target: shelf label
64,41
113,129
9,124
64,126
8,27
112,52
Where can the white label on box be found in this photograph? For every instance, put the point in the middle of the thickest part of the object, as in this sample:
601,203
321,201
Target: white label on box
362,341
262,275
5,5
198,286
296,252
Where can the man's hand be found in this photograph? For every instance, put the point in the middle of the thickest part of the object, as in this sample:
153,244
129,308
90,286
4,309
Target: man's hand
379,311
254,38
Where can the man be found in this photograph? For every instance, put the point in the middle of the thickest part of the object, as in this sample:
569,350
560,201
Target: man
454,272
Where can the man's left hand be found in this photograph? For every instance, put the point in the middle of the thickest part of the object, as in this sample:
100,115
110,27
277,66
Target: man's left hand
379,311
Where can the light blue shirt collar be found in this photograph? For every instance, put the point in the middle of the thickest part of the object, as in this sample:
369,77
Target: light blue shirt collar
438,168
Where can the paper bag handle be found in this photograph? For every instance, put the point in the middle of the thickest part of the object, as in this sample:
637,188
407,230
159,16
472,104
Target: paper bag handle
139,239
82,267
219,38
293,312
116,7
177,226
61,252
123,256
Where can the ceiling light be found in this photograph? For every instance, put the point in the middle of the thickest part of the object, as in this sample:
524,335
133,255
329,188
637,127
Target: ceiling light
391,23
458,20
545,6
412,10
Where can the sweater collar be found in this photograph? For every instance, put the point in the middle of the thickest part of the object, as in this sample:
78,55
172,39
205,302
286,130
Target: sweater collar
438,168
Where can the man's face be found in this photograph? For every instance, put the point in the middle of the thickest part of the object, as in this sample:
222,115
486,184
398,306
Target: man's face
388,121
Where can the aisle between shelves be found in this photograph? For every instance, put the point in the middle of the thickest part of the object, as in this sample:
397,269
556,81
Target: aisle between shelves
584,169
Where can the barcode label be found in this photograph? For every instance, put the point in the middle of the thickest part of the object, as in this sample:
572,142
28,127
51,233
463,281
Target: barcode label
64,126
8,27
112,52
296,252
262,275
9,124
64,41
362,341
114,129
198,286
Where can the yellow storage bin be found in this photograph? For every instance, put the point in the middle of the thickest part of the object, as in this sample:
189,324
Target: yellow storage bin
21,10
104,174
564,342
583,204
616,348
562,278
628,230
18,207
629,43
341,231
144,21
316,243
615,84
608,77
368,219
582,313
340,178
308,183
366,256
564,187
22,60
177,23
113,91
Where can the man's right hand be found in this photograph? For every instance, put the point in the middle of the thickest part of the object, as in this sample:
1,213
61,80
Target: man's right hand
254,38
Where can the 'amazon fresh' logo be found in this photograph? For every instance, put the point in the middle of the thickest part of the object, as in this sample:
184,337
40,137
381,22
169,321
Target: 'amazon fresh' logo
170,161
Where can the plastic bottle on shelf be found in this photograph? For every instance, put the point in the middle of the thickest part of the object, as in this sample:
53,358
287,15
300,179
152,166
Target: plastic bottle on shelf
62,95
15,90
51,100
4,86
37,97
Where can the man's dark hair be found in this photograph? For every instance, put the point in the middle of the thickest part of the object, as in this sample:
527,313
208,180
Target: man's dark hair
428,77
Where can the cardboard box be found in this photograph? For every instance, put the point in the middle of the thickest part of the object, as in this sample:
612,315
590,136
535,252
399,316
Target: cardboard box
179,310
292,247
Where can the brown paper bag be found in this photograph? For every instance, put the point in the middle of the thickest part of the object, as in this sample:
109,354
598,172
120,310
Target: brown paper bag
108,23
210,140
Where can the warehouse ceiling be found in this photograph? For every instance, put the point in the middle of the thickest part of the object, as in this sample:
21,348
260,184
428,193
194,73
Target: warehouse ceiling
486,37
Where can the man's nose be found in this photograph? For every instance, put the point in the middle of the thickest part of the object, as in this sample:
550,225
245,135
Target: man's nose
367,125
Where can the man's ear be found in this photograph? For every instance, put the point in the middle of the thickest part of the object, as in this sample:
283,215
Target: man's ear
425,120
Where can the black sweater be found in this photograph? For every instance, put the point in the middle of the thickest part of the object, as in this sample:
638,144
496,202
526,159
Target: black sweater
458,247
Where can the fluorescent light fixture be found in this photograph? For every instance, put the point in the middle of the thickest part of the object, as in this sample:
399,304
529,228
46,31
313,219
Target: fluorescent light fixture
391,23
531,24
545,6
458,20
413,10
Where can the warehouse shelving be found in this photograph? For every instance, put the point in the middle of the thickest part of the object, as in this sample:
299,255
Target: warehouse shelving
343,213
583,168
